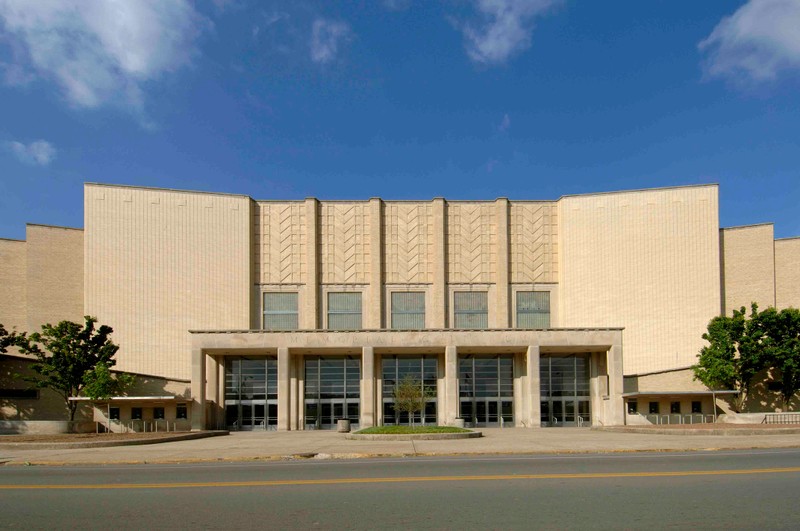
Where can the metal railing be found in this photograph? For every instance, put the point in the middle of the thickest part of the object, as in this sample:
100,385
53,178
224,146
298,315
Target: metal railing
676,418
781,418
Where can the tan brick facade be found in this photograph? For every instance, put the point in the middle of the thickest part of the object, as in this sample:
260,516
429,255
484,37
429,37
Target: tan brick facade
156,264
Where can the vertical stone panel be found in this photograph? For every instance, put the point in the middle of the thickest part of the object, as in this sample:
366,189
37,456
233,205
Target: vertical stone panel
408,242
345,242
281,232
644,260
13,282
787,273
160,263
471,255
748,267
534,242
54,264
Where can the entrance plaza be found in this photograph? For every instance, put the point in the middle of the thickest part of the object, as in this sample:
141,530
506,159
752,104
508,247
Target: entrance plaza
488,378
290,315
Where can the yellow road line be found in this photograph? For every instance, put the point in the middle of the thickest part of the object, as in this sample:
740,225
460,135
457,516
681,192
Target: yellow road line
351,481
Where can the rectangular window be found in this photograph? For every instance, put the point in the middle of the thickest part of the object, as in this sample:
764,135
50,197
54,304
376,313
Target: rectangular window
632,407
113,413
653,408
181,411
280,311
136,413
675,407
697,407
344,311
408,311
27,394
158,413
471,309
533,309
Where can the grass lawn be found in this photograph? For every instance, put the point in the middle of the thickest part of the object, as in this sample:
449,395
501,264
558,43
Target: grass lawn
405,430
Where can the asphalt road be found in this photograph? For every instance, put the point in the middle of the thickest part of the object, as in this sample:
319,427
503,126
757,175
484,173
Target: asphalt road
741,490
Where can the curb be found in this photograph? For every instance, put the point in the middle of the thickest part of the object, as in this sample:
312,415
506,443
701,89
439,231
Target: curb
412,436
690,431
188,436
309,456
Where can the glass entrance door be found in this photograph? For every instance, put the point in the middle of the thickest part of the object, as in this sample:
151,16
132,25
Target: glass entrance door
565,397
251,393
332,391
486,389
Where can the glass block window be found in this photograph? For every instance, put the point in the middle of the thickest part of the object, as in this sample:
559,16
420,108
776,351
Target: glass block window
408,311
280,311
533,309
471,309
344,311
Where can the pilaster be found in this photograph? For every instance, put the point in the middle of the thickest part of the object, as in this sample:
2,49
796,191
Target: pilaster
375,302
284,388
438,310
198,390
502,308
451,383
367,387
310,313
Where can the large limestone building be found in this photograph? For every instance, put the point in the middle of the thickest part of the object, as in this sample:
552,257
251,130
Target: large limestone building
289,315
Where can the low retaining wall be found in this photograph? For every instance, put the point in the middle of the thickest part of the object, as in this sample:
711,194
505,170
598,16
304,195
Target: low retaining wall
413,436
46,427
741,418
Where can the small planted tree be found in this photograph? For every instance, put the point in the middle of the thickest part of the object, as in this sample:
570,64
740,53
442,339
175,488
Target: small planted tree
71,358
410,396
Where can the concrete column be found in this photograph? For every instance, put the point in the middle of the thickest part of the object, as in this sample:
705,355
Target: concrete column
367,387
615,405
198,389
284,388
522,397
374,314
310,314
294,400
219,423
502,307
439,303
212,387
451,383
534,387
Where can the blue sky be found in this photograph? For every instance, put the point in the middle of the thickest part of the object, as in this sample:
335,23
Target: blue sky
401,99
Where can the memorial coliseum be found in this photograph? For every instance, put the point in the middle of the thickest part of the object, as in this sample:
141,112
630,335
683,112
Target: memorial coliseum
268,314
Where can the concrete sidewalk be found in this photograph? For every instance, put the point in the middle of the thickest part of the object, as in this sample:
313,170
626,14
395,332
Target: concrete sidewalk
244,446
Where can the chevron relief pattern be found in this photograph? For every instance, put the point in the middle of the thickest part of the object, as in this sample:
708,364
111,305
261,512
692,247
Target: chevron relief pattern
408,237
344,235
283,243
471,227
533,244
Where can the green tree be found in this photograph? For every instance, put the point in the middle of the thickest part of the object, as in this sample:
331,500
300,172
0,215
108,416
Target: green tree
782,344
101,383
735,354
67,355
410,396
6,339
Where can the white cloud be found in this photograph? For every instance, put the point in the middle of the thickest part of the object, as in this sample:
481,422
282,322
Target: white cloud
756,43
505,29
38,152
101,51
326,35
505,123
